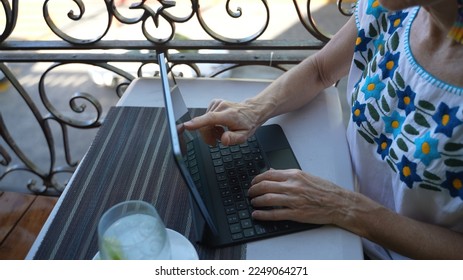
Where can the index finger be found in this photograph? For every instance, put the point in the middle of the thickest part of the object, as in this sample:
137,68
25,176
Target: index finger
208,119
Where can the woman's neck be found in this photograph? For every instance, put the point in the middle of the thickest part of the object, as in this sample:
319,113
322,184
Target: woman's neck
432,47
441,15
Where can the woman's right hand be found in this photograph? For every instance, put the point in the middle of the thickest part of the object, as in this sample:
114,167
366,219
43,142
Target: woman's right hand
230,122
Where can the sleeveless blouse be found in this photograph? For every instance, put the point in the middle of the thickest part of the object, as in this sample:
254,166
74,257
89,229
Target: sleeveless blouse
405,133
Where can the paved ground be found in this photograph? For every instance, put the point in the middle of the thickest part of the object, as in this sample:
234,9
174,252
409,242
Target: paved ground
64,83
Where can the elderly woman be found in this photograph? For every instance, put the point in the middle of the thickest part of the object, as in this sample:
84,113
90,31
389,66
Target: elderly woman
405,85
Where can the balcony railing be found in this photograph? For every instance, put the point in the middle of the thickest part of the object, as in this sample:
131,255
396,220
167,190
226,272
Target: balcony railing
84,37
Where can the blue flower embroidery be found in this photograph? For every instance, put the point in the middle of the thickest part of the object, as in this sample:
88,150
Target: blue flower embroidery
454,183
394,123
384,144
407,170
389,64
362,41
446,119
406,99
373,87
379,43
358,113
375,9
426,149
396,20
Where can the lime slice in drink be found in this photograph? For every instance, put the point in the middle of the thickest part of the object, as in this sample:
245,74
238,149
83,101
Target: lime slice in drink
112,248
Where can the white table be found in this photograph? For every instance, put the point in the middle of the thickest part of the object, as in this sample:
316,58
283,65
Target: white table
317,135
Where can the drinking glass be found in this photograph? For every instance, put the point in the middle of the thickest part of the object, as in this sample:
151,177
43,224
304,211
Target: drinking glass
133,230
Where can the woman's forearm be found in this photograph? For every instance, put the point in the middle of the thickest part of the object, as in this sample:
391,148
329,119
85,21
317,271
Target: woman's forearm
406,236
302,83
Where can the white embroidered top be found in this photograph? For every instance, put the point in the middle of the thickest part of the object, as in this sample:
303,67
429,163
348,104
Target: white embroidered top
406,128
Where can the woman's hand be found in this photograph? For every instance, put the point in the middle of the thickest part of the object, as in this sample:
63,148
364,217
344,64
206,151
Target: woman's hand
300,197
231,123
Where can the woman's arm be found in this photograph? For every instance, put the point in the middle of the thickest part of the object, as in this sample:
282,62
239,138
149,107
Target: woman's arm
290,91
303,82
408,237
310,199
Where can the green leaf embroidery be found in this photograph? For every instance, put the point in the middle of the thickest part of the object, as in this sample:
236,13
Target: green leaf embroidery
384,22
359,64
372,129
452,147
366,137
393,154
431,176
382,51
411,130
372,31
384,104
400,81
429,187
426,105
373,113
421,120
391,90
453,162
391,165
402,145
365,73
370,54
373,66
395,41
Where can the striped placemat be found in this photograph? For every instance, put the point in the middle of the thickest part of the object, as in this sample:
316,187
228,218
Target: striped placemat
130,158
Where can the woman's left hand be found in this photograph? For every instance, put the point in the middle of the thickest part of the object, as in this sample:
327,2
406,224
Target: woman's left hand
298,196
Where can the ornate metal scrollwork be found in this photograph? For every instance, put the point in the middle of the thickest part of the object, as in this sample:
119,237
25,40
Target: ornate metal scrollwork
75,17
233,14
11,14
159,21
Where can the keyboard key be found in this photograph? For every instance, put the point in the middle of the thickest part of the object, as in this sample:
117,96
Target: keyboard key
235,188
217,162
225,152
238,197
237,156
219,169
259,229
194,170
225,193
228,158
215,155
249,232
243,214
246,150
221,177
240,205
193,162
235,228
237,236
246,223
232,219
230,210
223,185
227,201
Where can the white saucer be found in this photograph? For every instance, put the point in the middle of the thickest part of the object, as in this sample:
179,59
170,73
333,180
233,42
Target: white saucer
181,248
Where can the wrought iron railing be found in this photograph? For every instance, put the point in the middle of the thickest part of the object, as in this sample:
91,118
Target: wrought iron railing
157,21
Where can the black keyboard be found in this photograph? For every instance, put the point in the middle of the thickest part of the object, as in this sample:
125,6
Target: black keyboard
235,167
